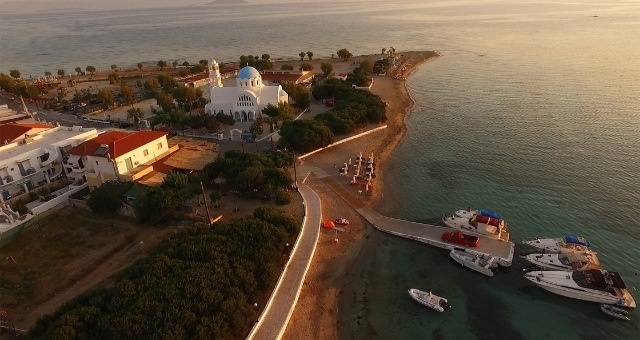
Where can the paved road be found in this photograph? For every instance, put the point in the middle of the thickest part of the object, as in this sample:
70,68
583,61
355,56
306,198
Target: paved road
273,322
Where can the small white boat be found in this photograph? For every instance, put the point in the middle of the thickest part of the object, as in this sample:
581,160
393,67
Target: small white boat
469,213
569,261
429,299
482,264
616,312
568,243
478,225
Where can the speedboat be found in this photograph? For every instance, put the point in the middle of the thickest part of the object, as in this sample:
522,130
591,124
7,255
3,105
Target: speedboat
595,285
469,213
567,243
566,261
429,299
482,264
480,225
616,312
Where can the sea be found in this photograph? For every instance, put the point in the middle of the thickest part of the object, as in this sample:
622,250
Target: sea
532,109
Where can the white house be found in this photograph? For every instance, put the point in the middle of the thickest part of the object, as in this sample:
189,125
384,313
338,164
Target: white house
245,101
116,155
36,158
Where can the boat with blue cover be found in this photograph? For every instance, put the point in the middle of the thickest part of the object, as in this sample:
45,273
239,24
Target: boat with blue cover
568,243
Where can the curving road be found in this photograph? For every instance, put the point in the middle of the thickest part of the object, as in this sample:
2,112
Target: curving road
274,318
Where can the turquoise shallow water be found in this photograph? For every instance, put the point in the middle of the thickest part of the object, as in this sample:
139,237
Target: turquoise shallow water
533,110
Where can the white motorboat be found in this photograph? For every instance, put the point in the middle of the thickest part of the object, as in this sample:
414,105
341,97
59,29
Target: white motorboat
616,312
566,261
469,213
429,299
479,225
568,243
595,285
482,264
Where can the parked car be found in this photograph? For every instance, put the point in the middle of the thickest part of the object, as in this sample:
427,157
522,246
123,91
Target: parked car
458,237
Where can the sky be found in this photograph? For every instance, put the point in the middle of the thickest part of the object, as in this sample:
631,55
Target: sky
38,5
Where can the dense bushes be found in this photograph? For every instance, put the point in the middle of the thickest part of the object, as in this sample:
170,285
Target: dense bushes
199,284
107,198
253,175
353,109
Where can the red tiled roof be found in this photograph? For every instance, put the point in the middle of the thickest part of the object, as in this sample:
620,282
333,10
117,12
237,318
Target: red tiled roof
11,132
119,142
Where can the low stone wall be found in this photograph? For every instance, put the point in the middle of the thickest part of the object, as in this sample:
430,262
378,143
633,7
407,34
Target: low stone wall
62,197
343,141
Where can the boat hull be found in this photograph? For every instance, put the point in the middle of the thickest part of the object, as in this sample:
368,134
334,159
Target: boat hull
575,292
434,302
467,261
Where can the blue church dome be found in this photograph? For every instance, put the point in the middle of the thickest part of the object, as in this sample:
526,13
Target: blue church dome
248,72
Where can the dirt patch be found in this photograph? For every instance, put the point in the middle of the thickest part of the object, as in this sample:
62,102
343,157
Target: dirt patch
61,257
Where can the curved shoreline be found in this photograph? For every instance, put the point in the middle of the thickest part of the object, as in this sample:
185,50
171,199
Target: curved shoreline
316,315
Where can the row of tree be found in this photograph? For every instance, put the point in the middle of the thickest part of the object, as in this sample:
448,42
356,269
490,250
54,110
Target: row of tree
353,109
202,283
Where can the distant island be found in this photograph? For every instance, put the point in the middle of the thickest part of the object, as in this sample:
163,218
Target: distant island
227,2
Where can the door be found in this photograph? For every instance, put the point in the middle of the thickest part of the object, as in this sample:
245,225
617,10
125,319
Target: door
129,163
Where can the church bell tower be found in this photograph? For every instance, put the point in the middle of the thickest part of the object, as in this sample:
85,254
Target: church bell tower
214,74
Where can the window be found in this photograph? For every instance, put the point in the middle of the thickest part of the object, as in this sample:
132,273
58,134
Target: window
146,152
159,146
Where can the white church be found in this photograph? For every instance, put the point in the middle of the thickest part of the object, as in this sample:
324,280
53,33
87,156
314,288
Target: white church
245,101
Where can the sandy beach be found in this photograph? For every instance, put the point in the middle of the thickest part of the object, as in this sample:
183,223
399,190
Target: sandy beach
315,315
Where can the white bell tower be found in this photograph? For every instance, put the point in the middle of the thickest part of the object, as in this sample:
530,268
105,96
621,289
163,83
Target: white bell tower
214,74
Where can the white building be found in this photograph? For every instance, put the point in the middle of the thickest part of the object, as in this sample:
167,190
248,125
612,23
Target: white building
35,159
245,101
116,155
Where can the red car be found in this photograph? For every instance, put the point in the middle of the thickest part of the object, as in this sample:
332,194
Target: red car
458,237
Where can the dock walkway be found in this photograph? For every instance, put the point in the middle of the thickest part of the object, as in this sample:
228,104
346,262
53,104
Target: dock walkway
431,234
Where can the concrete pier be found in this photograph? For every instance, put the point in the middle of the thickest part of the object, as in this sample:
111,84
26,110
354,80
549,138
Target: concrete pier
432,235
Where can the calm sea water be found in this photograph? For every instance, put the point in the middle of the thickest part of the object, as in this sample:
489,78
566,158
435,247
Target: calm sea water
533,110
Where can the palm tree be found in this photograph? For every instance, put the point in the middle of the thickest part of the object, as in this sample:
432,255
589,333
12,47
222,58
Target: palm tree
135,114
302,54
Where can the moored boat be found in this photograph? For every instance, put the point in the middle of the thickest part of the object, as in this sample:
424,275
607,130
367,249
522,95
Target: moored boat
480,225
595,285
469,213
429,299
616,312
569,261
482,264
568,243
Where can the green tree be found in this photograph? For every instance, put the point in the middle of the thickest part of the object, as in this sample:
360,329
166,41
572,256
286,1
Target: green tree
140,66
266,57
304,135
47,73
61,72
135,114
286,67
14,73
256,128
162,64
344,54
152,85
310,55
186,63
204,62
306,67
114,67
128,94
91,69
165,100
225,119
326,68
78,71
107,198
175,181
366,66
215,196
302,54
107,98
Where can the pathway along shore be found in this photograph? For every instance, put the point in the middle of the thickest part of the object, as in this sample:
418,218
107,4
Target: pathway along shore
316,310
